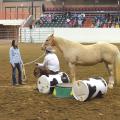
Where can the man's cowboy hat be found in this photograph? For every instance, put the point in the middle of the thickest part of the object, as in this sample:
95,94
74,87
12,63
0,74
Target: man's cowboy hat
50,49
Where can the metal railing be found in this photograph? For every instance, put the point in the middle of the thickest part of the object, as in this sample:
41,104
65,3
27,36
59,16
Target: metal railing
25,34
34,35
8,34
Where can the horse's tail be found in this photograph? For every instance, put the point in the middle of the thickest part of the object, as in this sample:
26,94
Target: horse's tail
117,69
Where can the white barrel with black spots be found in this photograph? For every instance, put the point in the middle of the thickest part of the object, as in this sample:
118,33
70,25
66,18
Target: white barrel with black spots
84,90
46,84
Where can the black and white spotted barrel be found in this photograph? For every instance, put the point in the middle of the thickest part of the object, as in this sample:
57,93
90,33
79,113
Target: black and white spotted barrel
84,90
46,84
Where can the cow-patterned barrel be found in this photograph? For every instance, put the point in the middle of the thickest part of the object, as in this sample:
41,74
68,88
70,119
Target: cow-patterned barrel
84,90
46,84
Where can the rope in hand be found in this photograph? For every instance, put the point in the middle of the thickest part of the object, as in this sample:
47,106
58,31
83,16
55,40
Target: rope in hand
28,63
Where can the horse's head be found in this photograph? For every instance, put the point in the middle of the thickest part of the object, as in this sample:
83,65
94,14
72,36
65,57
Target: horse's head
49,42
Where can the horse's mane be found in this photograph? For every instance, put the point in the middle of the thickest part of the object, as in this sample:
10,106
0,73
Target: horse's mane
66,41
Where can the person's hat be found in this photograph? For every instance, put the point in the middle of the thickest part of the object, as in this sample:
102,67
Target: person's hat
50,49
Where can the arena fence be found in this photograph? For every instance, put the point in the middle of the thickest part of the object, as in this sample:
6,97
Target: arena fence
35,35
82,35
9,33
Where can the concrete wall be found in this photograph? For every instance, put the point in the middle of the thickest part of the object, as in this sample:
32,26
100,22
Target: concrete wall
82,35
90,35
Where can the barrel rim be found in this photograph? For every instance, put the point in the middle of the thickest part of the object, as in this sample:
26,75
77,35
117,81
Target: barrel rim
42,80
60,85
80,98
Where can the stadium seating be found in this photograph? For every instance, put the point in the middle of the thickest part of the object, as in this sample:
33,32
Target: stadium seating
77,9
60,19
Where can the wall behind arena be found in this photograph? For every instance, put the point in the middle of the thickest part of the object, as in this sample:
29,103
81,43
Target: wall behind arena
82,35
90,35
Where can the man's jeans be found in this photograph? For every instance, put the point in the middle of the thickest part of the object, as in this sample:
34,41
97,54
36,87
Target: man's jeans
18,66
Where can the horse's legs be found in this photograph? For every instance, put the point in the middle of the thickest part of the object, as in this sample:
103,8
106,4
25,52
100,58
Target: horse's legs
111,73
72,71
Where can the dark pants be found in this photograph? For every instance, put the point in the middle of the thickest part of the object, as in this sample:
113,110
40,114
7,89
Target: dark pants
18,66
38,71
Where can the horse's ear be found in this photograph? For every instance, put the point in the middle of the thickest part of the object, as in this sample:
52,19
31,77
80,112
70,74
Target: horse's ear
52,35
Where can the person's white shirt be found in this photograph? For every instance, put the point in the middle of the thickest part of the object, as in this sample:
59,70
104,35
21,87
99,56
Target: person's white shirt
15,56
51,62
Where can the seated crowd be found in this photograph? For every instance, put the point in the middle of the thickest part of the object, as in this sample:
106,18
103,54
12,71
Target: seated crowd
106,21
69,19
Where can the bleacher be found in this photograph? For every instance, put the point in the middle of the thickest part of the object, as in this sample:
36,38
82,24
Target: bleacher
82,8
60,20
18,0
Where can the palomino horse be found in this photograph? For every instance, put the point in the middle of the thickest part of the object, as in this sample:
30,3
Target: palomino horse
78,54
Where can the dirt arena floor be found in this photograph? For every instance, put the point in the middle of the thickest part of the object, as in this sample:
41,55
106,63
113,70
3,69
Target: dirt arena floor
25,103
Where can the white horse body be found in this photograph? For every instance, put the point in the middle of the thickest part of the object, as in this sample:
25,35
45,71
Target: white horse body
78,54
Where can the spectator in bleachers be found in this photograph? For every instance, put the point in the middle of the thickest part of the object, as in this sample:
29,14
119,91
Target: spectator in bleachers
80,22
112,25
117,19
98,23
105,25
92,25
117,25
49,18
67,22
75,24
75,16
83,15
69,19
107,16
41,23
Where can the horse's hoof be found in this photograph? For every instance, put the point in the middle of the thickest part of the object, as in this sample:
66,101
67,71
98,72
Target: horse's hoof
110,86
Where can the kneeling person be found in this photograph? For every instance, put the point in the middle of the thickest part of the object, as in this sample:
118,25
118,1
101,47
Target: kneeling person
50,64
